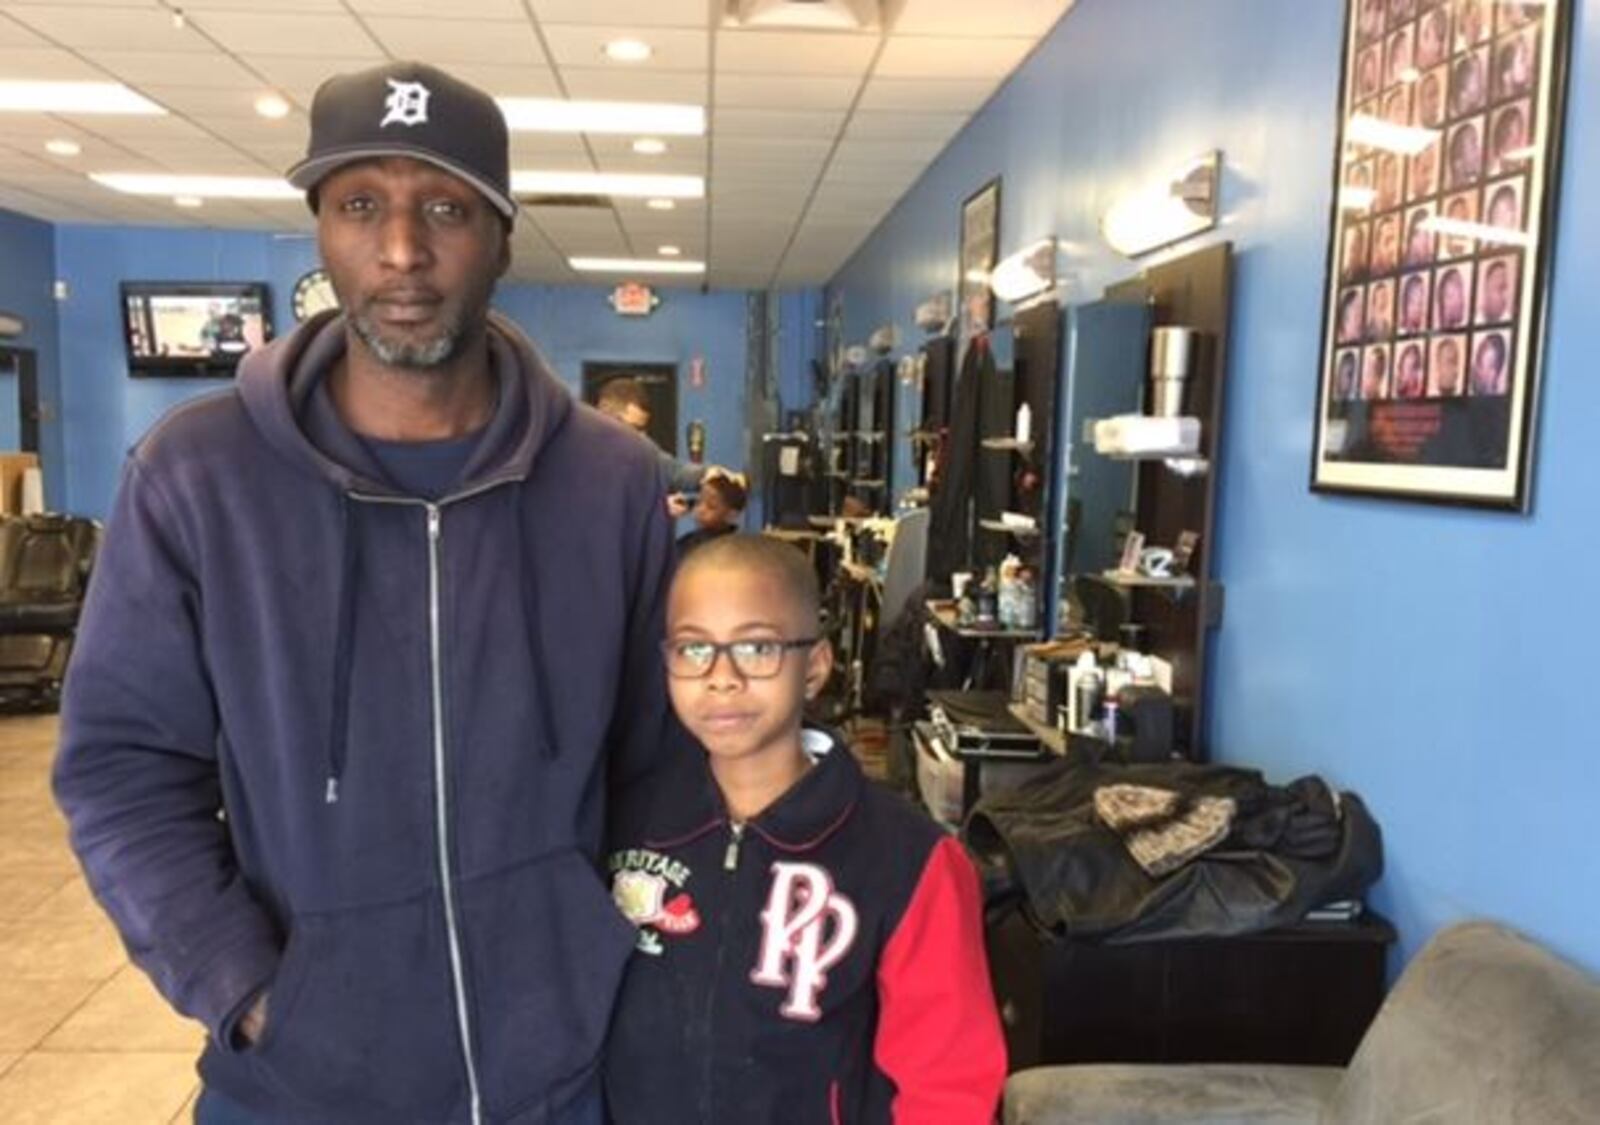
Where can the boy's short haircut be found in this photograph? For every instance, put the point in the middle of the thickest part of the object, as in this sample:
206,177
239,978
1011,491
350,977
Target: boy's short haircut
782,561
730,491
624,390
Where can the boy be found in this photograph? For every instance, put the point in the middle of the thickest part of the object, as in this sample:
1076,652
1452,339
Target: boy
810,948
716,513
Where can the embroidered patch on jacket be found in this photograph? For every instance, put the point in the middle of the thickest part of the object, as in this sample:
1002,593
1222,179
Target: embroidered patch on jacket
648,888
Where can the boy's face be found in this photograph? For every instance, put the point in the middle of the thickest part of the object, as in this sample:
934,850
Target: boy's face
711,511
734,715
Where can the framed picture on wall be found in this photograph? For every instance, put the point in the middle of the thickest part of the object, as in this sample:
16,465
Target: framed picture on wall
980,245
1446,176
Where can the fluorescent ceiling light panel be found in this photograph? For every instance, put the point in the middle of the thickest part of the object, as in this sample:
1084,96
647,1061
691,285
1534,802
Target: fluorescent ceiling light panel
557,115
620,184
1364,129
205,187
63,148
628,50
634,265
75,97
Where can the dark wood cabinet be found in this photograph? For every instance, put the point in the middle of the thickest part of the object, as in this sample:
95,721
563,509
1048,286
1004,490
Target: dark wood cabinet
1302,995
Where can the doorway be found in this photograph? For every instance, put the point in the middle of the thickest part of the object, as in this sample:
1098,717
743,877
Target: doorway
19,383
660,381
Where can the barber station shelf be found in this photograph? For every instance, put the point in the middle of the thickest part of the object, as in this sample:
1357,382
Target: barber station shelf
1006,444
1134,580
945,613
1052,739
1001,527
859,482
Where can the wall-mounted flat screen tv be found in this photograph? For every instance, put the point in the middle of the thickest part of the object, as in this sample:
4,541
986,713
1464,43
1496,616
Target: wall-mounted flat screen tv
195,330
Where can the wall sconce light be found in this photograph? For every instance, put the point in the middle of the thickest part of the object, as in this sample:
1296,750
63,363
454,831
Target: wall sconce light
1028,273
11,326
1168,213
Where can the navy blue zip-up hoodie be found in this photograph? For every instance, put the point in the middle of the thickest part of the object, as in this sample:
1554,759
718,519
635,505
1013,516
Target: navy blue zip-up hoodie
408,714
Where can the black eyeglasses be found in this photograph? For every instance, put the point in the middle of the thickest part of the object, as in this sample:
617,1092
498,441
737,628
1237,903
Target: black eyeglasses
754,660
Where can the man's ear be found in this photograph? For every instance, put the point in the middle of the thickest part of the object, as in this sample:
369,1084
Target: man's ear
505,253
819,666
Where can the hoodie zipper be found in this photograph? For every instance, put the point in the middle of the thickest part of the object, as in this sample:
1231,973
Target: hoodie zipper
442,808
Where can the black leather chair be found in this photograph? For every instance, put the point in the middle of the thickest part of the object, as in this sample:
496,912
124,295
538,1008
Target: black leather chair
45,562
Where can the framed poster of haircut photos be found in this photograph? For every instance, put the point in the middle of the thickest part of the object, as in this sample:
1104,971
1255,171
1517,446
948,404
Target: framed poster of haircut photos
1439,254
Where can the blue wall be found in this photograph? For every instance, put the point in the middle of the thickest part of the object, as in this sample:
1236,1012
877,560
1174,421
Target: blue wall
27,271
1433,660
104,411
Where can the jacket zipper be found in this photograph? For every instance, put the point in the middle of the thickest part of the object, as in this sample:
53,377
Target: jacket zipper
458,980
442,811
730,865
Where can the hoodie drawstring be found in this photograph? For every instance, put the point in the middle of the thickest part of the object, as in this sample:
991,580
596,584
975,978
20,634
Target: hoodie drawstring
344,648
532,621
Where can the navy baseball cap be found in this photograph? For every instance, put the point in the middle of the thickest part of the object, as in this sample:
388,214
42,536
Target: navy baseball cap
409,109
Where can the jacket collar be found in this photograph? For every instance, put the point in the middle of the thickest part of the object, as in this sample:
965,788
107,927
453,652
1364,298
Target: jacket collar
819,804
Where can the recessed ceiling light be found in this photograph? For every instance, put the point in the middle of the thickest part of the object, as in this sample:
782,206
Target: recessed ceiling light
63,148
661,205
272,105
74,97
634,265
649,146
620,184
206,187
668,251
188,200
555,115
628,50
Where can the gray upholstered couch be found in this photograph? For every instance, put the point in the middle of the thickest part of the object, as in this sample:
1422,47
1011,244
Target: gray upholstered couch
1483,1028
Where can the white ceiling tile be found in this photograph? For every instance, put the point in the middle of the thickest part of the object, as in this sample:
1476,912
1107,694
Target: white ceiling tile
755,92
175,69
13,35
134,131
615,84
551,151
127,29
302,35
794,52
444,41
887,152
679,149
644,13
993,17
457,9
771,150
729,122
908,56
47,65
584,45
200,7
931,95
207,101
503,81
905,126
300,77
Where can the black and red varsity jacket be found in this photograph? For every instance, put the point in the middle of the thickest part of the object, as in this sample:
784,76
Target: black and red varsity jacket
820,964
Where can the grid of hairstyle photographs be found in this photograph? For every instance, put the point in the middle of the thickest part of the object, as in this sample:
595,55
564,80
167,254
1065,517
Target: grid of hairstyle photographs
1421,313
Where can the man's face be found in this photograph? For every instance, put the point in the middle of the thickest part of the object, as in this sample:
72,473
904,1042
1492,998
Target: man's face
1452,300
1496,291
414,254
1487,365
636,416
1448,360
1372,376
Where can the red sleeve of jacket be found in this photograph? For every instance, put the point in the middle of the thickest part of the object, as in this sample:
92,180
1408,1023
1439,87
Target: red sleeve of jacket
939,1036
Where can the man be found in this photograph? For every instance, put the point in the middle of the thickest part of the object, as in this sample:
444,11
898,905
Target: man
351,680
626,400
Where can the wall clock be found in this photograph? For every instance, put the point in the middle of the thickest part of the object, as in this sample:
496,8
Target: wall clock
312,294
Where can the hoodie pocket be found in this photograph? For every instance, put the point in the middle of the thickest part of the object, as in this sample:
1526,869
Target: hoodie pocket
546,949
361,1021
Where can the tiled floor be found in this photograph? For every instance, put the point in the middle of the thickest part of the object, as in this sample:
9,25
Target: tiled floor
84,1039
